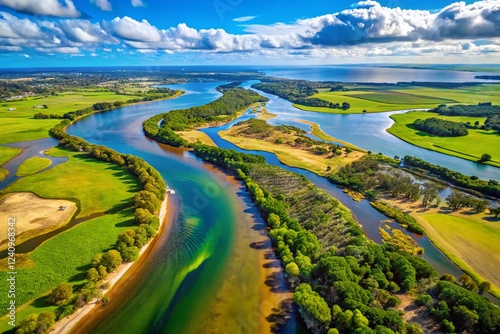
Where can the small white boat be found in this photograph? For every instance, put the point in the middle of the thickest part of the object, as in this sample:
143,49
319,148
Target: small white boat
170,191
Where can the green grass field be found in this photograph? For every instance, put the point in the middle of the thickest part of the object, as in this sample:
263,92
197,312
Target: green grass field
472,243
97,185
100,188
469,147
401,98
32,166
64,258
7,153
19,125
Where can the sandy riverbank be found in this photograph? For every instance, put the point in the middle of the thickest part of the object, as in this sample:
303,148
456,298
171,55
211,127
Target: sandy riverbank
66,324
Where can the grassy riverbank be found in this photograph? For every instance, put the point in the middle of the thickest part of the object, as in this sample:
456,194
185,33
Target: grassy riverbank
469,239
193,136
473,243
98,186
6,154
33,165
63,258
19,125
469,147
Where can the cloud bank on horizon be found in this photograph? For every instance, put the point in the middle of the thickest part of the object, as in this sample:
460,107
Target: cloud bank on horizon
365,30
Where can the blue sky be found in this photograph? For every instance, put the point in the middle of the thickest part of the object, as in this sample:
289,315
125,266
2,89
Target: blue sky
48,33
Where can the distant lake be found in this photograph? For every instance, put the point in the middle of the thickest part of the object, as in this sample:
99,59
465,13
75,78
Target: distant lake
371,74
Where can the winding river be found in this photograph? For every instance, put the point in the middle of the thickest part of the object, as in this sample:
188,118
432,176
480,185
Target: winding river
207,264
212,269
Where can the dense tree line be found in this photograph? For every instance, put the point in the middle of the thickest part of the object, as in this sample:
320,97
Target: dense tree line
223,109
491,187
441,127
480,110
226,87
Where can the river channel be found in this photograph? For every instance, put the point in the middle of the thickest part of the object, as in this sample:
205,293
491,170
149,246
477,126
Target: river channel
202,273
212,269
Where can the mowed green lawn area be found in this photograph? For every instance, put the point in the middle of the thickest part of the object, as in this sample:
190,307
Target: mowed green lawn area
19,125
402,98
472,243
33,165
98,186
469,147
6,153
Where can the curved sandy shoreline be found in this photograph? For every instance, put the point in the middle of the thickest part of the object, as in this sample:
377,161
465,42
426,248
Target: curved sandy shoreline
65,325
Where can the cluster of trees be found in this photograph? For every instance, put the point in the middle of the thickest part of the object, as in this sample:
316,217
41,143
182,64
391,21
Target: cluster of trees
231,85
441,127
147,202
162,127
485,109
493,122
458,199
261,129
36,323
292,90
223,109
46,116
299,92
459,309
491,187
368,176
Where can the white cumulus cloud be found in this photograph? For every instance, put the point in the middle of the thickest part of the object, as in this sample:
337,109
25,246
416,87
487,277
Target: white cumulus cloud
132,30
60,8
104,5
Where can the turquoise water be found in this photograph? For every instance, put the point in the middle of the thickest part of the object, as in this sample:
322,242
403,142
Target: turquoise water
182,278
